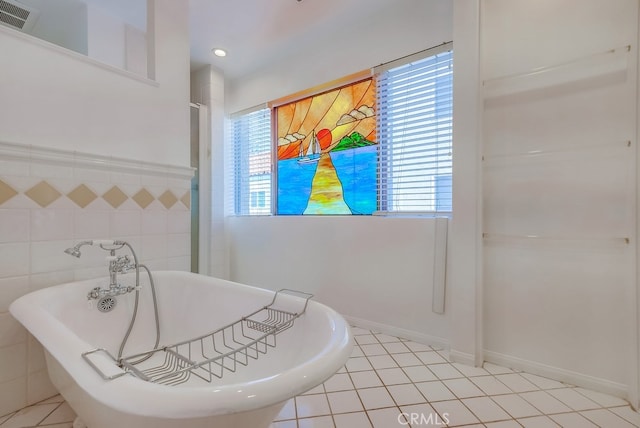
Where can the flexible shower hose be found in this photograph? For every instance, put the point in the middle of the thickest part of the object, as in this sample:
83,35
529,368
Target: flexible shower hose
135,308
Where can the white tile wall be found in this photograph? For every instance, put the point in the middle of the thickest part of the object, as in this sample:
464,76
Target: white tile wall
14,259
90,223
154,222
178,223
14,225
125,222
13,361
33,239
13,394
39,387
10,330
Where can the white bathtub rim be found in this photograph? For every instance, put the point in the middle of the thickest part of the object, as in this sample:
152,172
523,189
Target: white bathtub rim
150,399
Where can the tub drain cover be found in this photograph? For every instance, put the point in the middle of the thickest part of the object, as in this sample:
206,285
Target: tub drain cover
106,304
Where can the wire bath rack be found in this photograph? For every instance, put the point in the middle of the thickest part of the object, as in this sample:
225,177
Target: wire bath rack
210,356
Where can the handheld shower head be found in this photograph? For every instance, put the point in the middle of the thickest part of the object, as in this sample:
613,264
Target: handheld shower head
75,252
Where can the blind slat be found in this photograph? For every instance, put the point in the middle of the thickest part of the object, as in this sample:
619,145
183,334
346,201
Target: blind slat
249,182
415,105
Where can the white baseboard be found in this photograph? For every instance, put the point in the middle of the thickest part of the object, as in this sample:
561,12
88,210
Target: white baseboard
562,375
532,367
462,357
427,339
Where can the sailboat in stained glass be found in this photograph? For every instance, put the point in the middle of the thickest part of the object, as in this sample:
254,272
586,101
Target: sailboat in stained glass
313,151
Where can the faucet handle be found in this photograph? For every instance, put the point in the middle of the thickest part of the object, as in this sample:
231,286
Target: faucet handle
94,293
124,264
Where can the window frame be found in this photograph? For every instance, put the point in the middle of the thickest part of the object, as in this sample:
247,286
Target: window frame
234,204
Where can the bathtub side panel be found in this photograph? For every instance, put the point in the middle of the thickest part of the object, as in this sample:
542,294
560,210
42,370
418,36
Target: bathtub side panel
97,415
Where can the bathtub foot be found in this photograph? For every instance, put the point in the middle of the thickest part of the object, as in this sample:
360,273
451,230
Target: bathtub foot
77,423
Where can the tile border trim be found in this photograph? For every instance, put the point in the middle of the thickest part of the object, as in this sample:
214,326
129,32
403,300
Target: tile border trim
31,153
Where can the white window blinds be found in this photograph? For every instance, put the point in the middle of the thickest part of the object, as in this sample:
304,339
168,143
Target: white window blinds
415,110
249,181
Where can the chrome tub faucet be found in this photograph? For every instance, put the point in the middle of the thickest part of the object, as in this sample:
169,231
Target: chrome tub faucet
118,264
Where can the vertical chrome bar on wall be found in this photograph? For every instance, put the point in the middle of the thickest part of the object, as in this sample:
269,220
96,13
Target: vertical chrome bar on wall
205,191
195,186
439,264
634,384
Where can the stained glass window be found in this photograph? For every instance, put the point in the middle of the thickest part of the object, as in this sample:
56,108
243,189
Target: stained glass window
327,152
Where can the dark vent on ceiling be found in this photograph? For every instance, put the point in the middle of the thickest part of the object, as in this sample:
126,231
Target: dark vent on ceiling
11,20
14,10
17,15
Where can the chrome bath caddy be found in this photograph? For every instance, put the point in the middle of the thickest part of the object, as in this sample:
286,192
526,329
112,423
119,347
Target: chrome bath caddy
209,356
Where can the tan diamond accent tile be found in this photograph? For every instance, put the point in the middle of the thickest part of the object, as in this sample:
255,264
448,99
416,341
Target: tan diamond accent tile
82,195
143,198
168,199
43,193
6,192
115,197
186,199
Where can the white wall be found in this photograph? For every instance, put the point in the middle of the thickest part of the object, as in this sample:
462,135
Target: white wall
113,41
90,29
135,50
563,304
370,269
67,101
105,37
207,87
399,29
378,270
565,310
56,105
63,22
465,274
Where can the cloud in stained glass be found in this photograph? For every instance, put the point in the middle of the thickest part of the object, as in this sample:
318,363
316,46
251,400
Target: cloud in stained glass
362,112
291,138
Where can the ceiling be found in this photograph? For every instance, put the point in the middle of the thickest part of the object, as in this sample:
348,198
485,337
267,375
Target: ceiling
256,32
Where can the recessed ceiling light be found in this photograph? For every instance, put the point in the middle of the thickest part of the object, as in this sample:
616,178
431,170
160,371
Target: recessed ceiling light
219,52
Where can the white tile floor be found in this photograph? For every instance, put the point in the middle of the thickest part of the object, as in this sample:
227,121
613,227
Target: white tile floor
390,382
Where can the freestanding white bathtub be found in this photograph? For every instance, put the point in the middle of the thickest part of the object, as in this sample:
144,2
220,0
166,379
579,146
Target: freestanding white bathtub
189,305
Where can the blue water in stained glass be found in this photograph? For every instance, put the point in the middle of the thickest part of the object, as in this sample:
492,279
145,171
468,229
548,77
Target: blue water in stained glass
294,186
356,169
